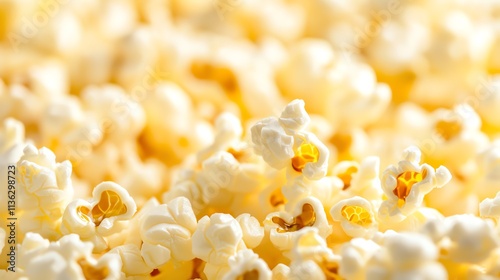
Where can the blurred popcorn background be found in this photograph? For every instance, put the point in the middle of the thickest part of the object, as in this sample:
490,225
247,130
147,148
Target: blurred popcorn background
145,93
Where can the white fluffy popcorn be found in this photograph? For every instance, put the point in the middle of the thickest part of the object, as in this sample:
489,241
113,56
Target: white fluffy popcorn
166,232
253,232
294,117
106,213
283,144
468,239
45,188
354,257
406,184
247,264
490,207
311,258
272,143
404,255
283,226
67,258
356,216
217,238
486,182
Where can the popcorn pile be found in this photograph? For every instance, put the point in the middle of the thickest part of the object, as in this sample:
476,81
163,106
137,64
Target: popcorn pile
239,139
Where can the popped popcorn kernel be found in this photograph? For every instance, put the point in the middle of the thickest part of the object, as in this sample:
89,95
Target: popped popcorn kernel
306,219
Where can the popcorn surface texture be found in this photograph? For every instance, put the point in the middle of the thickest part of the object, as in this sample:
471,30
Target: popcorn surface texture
249,139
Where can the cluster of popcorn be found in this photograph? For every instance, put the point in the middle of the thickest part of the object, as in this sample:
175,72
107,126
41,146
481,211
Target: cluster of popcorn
239,139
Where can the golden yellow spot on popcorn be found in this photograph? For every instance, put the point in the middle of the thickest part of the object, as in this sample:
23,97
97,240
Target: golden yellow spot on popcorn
346,176
448,129
249,275
306,219
219,74
237,154
405,181
331,270
357,215
306,153
198,266
343,142
277,197
90,272
83,213
109,205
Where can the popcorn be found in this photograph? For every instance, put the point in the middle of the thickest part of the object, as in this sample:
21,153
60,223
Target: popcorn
311,258
404,255
252,231
67,258
247,264
272,142
356,216
456,135
166,232
488,96
490,207
44,191
107,213
486,181
468,239
354,257
133,263
172,129
217,238
283,226
124,120
406,184
280,140
360,179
